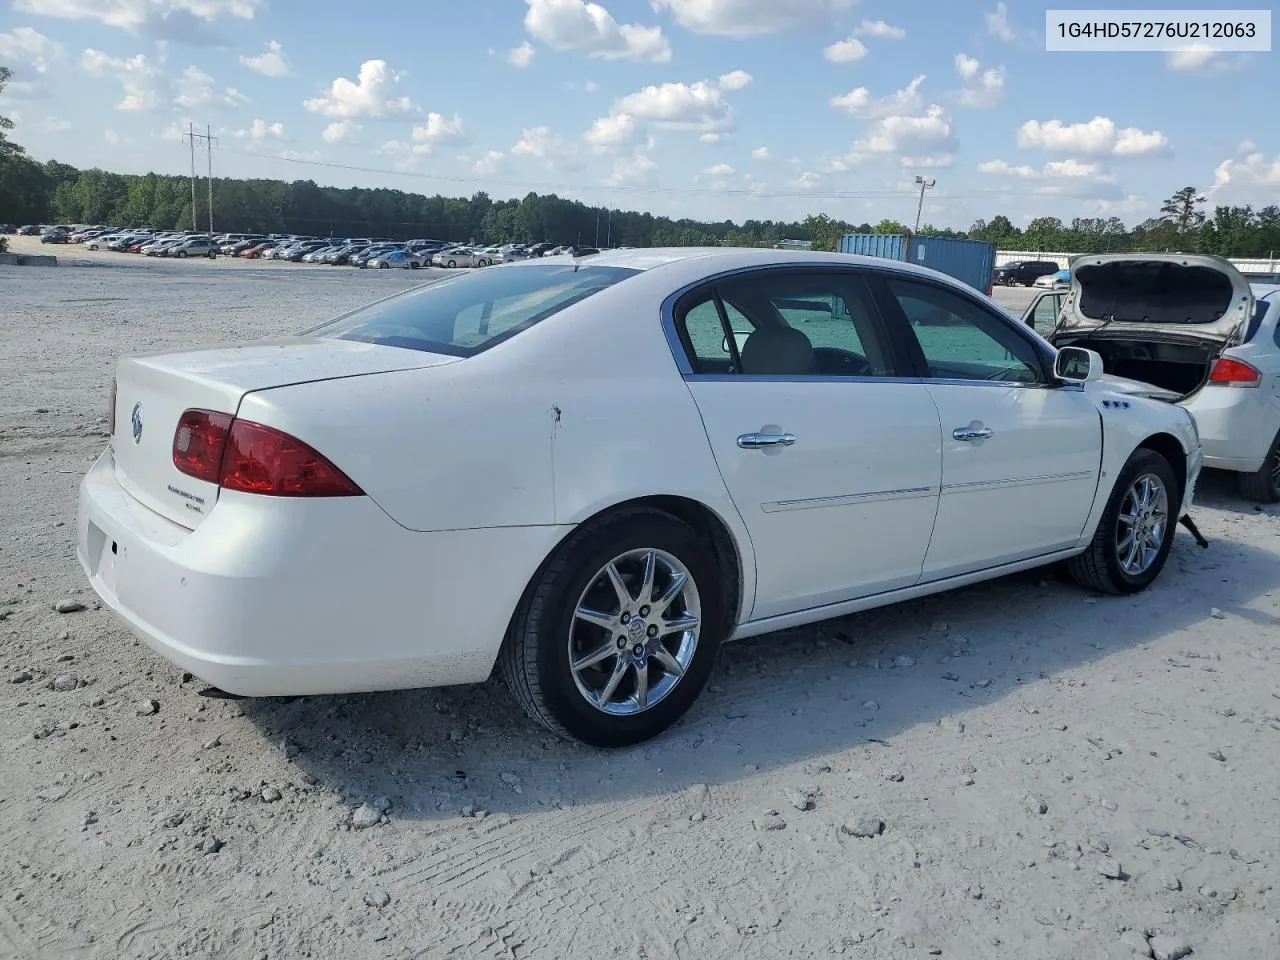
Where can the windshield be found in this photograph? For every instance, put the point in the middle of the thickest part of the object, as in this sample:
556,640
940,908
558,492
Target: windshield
463,315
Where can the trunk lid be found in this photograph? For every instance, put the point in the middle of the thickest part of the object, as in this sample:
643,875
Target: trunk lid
1157,296
153,390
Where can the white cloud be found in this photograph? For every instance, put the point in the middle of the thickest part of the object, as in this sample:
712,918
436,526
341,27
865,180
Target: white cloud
679,106
577,26
610,133
806,181
734,80
713,137
635,169
374,95
998,24
25,47
490,163
841,164
338,131
1097,137
1203,58
1246,146
1253,178
982,88
760,153
436,130
521,56
260,130
911,137
929,160
1054,169
845,51
878,28
55,125
590,86
194,91
135,75
861,104
719,170
164,19
744,18
542,144
111,137
270,64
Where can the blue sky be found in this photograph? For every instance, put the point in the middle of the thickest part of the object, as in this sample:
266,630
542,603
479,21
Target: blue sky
705,108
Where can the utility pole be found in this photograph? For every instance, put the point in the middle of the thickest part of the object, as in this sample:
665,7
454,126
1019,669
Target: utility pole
209,140
609,241
924,185
597,227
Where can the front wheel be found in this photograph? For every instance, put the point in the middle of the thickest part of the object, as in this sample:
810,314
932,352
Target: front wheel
384,265
615,638
453,263
1135,534
181,254
1263,485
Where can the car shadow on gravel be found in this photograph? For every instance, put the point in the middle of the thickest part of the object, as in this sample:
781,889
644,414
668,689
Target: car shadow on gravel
773,702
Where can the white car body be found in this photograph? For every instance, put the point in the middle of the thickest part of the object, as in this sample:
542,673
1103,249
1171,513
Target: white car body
1238,418
460,258
472,471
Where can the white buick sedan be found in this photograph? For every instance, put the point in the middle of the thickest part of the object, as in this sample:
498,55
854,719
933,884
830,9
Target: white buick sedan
592,473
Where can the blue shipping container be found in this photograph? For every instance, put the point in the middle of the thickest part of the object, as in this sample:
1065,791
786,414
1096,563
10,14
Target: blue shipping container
890,245
969,261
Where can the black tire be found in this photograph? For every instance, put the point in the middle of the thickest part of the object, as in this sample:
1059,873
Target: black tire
1263,485
383,265
1099,567
181,254
453,263
535,657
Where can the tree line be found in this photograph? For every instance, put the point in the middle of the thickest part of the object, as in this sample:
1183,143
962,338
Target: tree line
53,192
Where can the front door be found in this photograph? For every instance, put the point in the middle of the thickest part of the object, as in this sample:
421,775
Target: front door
832,460
1021,454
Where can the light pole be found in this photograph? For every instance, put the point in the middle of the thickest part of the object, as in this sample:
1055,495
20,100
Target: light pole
924,185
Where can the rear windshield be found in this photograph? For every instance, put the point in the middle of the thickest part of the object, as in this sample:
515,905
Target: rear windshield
466,314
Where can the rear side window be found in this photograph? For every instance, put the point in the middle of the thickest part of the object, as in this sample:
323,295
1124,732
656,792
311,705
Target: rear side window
467,314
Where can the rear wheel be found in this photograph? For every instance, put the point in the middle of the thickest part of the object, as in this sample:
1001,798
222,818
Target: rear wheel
1135,534
453,263
1263,485
616,637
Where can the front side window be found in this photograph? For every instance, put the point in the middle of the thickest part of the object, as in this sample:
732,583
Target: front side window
786,323
464,315
959,339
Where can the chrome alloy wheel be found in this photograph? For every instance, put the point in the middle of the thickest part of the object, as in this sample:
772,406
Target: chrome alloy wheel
634,631
1143,524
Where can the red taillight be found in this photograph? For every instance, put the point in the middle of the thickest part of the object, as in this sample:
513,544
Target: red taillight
1229,372
252,458
199,443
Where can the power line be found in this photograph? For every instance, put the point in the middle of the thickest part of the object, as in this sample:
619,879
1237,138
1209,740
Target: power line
635,189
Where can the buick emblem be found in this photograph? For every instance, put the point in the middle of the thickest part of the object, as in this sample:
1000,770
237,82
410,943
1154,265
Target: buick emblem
136,419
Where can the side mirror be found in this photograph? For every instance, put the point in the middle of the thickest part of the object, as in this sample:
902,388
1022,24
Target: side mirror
739,339
1077,365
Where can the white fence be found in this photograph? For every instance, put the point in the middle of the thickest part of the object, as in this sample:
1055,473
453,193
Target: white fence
1063,259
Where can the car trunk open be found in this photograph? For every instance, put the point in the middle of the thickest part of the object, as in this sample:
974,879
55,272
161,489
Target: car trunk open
152,392
1161,319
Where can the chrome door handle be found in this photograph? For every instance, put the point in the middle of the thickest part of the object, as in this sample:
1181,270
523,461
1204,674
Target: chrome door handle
971,433
756,441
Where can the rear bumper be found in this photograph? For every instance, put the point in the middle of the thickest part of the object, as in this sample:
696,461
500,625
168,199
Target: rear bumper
273,597
1236,425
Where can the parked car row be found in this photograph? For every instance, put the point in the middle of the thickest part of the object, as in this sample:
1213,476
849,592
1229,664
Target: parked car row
376,252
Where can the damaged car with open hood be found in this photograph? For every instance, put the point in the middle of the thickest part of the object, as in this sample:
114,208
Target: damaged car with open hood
1192,330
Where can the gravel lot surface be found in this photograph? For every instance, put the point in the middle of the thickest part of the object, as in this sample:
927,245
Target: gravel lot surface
1018,769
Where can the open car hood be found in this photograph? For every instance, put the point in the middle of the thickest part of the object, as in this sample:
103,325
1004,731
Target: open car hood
1184,296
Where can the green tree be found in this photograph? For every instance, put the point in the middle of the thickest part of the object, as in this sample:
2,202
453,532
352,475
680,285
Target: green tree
1181,210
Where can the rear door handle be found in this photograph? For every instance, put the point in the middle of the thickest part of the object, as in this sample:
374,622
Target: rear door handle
757,441
971,432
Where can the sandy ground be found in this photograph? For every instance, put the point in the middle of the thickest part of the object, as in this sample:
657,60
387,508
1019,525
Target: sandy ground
1047,774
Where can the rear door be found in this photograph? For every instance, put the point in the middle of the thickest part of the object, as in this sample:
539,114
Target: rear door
1021,453
832,458
1042,313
